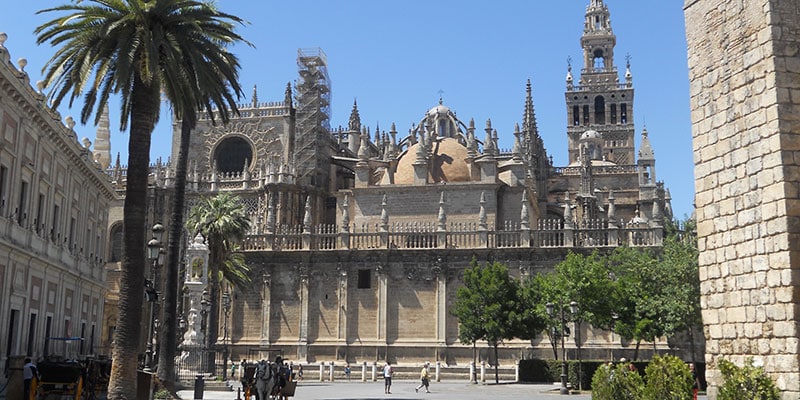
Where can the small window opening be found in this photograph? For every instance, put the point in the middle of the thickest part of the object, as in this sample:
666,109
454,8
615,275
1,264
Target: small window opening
364,279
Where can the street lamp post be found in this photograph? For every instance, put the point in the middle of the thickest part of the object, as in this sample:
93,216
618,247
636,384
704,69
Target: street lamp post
151,291
204,308
226,306
573,307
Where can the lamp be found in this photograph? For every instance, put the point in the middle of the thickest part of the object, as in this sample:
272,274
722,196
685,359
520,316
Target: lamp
563,332
154,252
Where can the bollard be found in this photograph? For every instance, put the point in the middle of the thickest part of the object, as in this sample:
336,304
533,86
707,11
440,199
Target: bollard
238,393
321,371
516,372
198,387
483,371
330,372
438,369
364,371
472,376
374,371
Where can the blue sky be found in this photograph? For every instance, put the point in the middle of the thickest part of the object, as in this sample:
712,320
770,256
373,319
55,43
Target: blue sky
396,58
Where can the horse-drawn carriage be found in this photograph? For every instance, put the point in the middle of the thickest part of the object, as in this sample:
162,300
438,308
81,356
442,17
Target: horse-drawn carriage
265,380
58,379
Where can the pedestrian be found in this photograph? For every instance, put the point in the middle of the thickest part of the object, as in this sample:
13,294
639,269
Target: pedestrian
387,378
423,376
695,381
29,371
300,372
347,371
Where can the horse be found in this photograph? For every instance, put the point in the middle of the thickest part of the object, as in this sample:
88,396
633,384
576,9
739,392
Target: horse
266,377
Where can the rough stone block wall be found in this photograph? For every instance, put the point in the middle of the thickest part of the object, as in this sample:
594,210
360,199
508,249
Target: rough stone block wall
744,76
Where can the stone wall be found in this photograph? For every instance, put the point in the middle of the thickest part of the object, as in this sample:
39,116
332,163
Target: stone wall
744,73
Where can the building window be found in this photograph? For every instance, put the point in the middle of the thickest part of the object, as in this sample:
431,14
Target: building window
576,115
623,113
55,235
599,110
39,221
31,335
364,279
22,207
586,115
3,176
613,113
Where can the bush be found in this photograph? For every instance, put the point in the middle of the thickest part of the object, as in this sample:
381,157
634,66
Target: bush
668,378
616,383
748,382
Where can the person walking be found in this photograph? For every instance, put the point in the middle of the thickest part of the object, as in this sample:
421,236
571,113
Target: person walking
424,377
347,371
29,372
387,378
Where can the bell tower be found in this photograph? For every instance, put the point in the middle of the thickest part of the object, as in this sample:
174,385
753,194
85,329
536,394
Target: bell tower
599,101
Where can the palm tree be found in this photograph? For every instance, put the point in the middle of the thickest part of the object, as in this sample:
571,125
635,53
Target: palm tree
139,49
223,222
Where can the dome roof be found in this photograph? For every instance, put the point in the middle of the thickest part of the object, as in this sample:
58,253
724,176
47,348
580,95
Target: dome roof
439,109
591,134
449,163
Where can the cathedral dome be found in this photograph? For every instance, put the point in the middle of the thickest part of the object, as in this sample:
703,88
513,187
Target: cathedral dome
449,163
439,110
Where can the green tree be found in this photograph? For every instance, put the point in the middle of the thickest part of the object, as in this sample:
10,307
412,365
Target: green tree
487,307
138,49
748,382
667,378
223,222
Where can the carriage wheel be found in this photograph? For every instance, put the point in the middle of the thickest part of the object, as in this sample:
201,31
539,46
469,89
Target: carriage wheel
79,388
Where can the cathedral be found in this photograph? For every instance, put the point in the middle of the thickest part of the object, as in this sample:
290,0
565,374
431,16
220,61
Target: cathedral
359,238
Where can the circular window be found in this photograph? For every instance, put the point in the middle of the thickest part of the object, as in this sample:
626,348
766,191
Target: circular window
232,153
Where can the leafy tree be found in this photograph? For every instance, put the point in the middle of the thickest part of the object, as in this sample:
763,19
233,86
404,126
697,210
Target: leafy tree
486,306
139,49
222,220
748,382
667,378
618,382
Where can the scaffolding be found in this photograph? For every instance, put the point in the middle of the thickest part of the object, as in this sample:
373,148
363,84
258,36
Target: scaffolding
313,98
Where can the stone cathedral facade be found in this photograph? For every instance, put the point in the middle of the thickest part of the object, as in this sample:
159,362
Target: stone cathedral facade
359,237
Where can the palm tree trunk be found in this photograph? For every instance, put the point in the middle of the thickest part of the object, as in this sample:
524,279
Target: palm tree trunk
125,347
168,336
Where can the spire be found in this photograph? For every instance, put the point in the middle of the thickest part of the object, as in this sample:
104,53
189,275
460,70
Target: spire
384,216
255,96
516,151
568,221
102,140
645,150
346,214
471,144
524,215
482,213
355,120
529,119
287,98
488,142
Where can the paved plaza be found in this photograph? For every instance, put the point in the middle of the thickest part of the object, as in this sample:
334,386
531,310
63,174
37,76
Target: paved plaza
404,390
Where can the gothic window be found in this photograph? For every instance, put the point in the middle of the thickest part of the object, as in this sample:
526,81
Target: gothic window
232,153
599,110
586,115
613,113
623,113
117,240
576,115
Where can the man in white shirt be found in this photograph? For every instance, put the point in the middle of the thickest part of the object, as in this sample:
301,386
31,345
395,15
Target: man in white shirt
29,372
387,378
